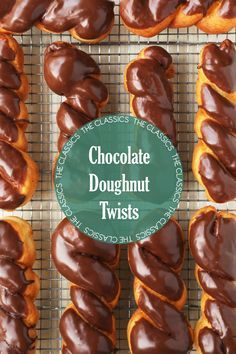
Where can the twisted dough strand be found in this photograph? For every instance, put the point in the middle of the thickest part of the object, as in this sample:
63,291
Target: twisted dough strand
148,18
19,286
87,325
74,74
18,172
212,238
88,21
151,95
158,325
214,158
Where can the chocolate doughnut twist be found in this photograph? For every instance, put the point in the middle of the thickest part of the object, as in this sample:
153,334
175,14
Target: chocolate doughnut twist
18,172
72,73
212,238
87,325
19,286
158,325
147,81
214,158
148,18
87,20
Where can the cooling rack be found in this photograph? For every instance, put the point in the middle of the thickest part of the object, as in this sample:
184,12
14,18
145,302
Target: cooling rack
43,212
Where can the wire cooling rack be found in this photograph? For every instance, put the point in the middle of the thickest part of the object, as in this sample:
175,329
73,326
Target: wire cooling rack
43,212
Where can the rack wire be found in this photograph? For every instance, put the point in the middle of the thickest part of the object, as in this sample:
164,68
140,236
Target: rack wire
43,211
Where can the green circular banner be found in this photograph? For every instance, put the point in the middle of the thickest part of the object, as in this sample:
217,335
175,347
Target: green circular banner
118,179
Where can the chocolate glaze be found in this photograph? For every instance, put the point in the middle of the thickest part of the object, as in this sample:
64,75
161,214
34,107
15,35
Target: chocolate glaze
72,73
218,107
147,81
223,321
220,184
213,245
87,324
221,142
195,7
221,289
217,122
14,333
167,244
154,273
6,53
140,14
82,260
96,312
81,338
168,332
8,129
90,19
13,166
10,198
158,326
219,65
210,342
228,9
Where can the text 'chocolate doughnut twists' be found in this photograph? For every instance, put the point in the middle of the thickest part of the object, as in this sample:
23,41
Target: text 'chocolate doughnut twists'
88,324
151,94
214,157
74,74
212,238
19,286
158,325
87,20
18,172
148,18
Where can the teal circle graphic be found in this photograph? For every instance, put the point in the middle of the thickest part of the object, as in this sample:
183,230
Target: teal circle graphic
118,179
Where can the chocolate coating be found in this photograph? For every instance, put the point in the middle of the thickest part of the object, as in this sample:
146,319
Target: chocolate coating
221,142
219,65
149,18
217,123
90,20
154,273
170,334
195,7
140,14
228,9
218,107
220,184
152,95
87,325
14,333
166,245
222,319
81,338
158,326
13,164
213,245
72,73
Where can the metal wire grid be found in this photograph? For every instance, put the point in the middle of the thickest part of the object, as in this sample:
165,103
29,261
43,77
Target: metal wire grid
43,211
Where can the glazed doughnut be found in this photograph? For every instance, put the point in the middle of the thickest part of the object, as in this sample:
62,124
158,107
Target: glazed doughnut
19,286
151,95
74,74
87,325
18,172
214,157
148,18
158,325
88,21
212,238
